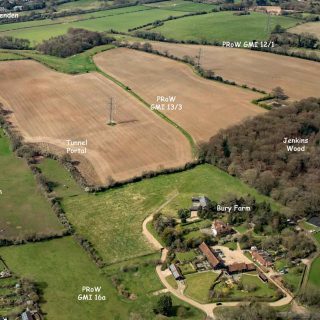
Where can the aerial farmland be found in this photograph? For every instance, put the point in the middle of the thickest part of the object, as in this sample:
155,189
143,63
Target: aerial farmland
159,159
43,98
254,69
215,105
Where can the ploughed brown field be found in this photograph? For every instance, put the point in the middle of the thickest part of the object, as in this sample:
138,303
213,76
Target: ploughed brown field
207,106
310,27
50,107
299,78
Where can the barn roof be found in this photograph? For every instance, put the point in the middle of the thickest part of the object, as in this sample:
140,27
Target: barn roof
213,260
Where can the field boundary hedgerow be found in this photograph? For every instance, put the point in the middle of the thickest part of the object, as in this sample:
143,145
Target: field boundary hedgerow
198,70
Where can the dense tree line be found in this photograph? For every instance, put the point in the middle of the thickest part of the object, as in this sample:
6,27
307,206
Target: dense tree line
303,40
8,42
255,152
73,42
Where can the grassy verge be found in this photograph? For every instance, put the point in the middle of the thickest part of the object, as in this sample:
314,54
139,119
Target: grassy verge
172,282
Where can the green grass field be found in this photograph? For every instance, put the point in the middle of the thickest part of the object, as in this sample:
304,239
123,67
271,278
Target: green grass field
172,281
293,278
223,26
61,268
24,211
262,290
198,285
186,256
112,220
68,19
314,278
120,21
181,5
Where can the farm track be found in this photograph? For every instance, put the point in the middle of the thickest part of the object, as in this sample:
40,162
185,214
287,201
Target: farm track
50,107
208,106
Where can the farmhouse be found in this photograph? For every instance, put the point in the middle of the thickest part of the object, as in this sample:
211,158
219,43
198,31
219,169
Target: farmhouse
220,228
240,267
262,258
213,260
175,271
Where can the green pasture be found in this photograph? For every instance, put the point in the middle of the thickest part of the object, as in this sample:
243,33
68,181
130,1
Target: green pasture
112,20
24,210
112,220
314,278
60,268
68,19
198,285
224,26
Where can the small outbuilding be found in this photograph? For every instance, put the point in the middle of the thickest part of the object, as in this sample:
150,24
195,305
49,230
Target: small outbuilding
176,272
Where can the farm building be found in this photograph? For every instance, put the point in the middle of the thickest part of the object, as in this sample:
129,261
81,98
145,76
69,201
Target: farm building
175,271
263,277
274,10
212,259
240,267
220,228
199,203
26,315
314,221
262,257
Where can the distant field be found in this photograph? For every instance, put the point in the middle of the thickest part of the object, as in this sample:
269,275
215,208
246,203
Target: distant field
223,26
118,19
207,106
310,27
112,220
181,5
98,14
42,100
80,4
255,69
24,211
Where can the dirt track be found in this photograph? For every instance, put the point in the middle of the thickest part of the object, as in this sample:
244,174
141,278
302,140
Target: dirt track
50,107
299,78
207,106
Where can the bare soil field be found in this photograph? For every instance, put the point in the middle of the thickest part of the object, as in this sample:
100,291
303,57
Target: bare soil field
207,106
299,78
50,107
310,27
